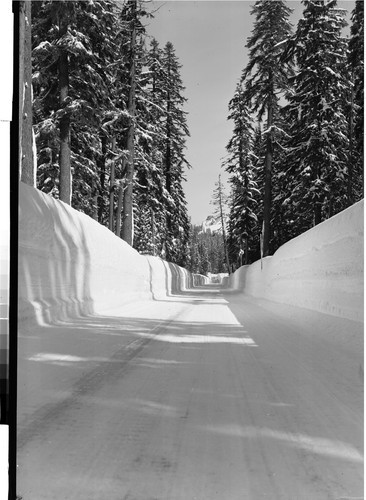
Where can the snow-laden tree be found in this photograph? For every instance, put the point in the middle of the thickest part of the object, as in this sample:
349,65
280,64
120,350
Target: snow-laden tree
160,147
173,150
219,201
356,113
318,148
265,78
71,42
151,193
244,190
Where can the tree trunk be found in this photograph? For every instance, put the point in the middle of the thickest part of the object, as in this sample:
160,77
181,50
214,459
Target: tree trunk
65,154
101,167
111,187
153,230
268,184
119,209
27,171
127,224
317,213
350,151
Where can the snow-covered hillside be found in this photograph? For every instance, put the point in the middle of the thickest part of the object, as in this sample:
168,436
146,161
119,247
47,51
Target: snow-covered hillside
213,224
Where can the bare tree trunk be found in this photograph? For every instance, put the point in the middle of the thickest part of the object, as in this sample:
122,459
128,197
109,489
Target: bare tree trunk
111,187
350,151
127,224
268,184
153,230
65,154
119,208
101,166
27,171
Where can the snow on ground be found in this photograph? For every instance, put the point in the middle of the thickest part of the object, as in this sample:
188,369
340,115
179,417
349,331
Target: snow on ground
133,384
70,265
321,269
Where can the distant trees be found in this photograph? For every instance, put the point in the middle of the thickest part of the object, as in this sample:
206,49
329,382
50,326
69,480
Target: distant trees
295,154
219,200
207,254
109,121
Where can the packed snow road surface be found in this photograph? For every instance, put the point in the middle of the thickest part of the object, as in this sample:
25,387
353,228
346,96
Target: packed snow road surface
203,396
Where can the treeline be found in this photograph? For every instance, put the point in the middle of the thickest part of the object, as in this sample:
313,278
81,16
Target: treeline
109,121
206,253
296,152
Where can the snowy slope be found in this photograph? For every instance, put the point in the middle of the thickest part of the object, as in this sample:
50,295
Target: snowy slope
321,269
69,265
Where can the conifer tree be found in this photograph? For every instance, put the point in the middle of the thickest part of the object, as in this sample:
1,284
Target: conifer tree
174,161
356,112
319,129
265,78
219,200
240,165
73,40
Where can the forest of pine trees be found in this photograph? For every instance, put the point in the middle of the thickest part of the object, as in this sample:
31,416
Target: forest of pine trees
295,157
110,126
109,121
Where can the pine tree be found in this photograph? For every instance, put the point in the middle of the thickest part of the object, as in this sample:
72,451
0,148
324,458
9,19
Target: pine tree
319,129
265,78
174,161
81,45
244,188
219,200
356,112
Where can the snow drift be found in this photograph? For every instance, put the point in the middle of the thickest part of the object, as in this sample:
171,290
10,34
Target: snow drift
322,269
69,265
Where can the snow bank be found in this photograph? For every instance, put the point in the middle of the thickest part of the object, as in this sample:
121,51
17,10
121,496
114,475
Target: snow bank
321,269
69,265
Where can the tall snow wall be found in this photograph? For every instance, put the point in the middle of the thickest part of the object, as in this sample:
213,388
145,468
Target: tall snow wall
322,269
69,265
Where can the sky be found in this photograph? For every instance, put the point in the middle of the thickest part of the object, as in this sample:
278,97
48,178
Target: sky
209,38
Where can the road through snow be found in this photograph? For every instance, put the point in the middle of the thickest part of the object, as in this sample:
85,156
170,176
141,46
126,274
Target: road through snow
203,396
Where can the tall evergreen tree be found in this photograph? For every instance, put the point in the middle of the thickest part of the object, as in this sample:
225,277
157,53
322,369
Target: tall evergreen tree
71,40
174,160
239,164
319,128
265,78
219,200
356,113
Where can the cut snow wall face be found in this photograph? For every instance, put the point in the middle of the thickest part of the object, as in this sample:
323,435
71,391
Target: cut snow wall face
69,265
321,269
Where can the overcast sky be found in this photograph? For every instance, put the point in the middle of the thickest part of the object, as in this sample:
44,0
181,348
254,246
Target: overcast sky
209,38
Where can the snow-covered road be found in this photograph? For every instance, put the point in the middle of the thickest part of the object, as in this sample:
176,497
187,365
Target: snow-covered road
203,396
